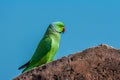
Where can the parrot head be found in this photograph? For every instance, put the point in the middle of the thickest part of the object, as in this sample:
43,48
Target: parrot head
58,27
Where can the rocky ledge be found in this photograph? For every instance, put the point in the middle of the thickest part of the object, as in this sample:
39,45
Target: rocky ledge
97,63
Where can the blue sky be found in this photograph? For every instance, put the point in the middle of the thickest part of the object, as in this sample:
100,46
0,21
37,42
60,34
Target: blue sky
23,23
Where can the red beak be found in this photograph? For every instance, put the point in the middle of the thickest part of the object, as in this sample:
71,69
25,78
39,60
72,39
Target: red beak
63,30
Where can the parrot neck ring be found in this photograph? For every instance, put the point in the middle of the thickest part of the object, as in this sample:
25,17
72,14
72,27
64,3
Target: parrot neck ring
53,28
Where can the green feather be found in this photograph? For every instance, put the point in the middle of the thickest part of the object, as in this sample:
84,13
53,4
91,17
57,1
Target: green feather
47,47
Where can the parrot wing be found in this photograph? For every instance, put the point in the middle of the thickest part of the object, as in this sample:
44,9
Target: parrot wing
42,49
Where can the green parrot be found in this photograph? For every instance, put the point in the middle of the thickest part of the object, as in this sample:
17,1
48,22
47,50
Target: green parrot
47,47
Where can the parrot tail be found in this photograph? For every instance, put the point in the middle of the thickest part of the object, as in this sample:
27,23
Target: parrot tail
23,66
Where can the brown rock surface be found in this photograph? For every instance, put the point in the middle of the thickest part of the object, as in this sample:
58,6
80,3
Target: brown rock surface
97,63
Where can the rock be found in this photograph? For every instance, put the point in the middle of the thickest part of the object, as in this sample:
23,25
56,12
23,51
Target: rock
97,63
